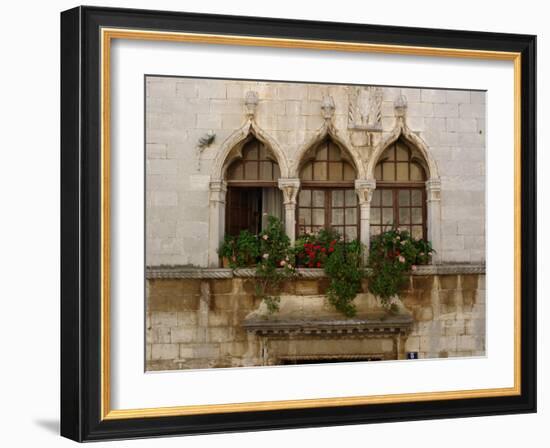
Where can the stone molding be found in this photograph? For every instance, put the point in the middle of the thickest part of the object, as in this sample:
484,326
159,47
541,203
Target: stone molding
175,272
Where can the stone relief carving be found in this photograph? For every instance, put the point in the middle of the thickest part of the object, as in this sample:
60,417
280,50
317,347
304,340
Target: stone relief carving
204,142
365,108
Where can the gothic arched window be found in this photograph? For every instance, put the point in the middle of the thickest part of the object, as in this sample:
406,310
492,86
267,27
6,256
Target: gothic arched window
400,196
252,191
327,197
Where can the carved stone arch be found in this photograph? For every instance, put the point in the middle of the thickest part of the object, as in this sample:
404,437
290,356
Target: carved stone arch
402,131
327,131
231,148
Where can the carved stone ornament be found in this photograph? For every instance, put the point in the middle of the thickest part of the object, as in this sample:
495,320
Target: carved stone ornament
433,188
327,107
290,188
364,190
251,103
365,108
400,106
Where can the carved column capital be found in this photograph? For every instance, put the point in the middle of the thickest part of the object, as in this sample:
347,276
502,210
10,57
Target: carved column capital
433,188
364,190
290,188
251,101
218,189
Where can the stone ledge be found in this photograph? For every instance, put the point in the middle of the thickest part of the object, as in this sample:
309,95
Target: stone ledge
176,272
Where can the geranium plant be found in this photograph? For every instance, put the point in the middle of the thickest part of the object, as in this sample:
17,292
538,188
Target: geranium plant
392,255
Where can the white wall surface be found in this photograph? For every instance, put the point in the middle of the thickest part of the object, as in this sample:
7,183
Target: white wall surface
29,230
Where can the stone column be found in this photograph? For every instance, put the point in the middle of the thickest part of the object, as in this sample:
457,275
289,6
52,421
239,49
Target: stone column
218,190
433,193
290,188
364,190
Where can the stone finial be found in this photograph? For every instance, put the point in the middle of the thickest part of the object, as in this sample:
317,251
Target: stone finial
400,106
327,107
251,103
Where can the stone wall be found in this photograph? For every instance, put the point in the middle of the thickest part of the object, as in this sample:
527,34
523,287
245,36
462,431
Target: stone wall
179,111
200,323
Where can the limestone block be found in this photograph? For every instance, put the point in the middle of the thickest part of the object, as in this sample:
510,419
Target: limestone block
156,150
212,90
292,92
164,198
462,125
315,92
164,351
289,123
232,121
477,97
418,110
436,124
209,121
164,319
236,91
186,318
187,89
458,96
412,344
412,95
456,256
219,334
474,242
211,351
160,87
471,227
453,242
161,167
433,96
183,334
293,107
472,110
445,110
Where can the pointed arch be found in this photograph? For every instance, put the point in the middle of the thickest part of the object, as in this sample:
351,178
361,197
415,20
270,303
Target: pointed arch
402,131
326,131
231,149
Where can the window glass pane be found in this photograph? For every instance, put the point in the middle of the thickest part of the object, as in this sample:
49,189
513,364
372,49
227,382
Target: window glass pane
235,171
320,171
349,172
387,216
251,170
387,197
417,173
389,155
337,216
404,197
318,217
266,171
339,229
307,172
417,215
333,152
388,171
374,216
263,152
322,152
351,233
318,198
305,198
402,171
417,232
335,171
416,197
337,198
276,171
402,152
378,172
351,198
375,230
304,216
376,198
351,215
404,216
251,151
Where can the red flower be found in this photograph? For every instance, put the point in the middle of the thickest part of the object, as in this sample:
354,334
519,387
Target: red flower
323,249
318,264
310,264
331,249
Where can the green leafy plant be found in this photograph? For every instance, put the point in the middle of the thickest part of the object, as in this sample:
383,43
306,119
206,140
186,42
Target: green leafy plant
392,255
345,271
275,263
313,250
240,251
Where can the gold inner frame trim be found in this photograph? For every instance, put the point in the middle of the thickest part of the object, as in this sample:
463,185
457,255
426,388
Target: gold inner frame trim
107,35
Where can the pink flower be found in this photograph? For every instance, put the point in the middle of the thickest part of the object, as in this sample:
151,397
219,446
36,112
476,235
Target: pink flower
282,263
265,237
401,259
266,256
289,266
413,267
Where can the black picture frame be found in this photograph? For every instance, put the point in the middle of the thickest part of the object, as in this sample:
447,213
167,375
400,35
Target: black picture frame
81,224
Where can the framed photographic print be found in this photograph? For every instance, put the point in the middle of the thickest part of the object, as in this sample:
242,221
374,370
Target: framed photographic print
272,223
